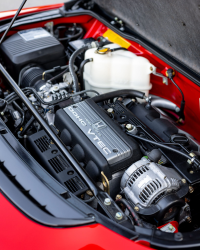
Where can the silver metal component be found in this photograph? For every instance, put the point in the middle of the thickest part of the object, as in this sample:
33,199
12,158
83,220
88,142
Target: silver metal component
118,216
99,133
67,78
163,103
32,98
169,228
49,27
145,182
50,118
184,181
107,201
147,98
49,92
193,158
131,129
54,88
16,115
129,126
165,79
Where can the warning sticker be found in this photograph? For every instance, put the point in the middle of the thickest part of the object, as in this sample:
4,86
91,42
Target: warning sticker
33,34
115,38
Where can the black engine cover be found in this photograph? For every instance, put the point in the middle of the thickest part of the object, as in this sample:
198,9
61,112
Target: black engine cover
32,46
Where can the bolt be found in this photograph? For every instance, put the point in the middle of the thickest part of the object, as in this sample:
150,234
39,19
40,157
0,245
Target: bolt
120,21
107,201
192,155
170,227
116,18
188,218
184,181
191,172
112,22
136,208
122,28
2,113
187,209
110,110
89,192
191,189
129,126
151,68
118,197
118,216
178,236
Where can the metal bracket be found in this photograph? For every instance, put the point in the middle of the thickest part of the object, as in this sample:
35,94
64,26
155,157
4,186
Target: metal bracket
105,182
165,79
118,22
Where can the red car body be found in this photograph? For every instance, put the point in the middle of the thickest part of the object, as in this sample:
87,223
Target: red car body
19,231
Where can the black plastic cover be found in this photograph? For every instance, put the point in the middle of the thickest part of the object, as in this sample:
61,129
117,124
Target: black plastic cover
32,46
48,155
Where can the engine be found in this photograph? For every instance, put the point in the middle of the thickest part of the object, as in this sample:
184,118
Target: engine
124,139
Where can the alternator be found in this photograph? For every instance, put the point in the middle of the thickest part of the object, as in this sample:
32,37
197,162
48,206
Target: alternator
151,187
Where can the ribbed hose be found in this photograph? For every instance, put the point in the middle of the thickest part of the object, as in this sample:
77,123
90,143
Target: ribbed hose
71,66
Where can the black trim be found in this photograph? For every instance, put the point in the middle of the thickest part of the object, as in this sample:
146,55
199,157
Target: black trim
29,168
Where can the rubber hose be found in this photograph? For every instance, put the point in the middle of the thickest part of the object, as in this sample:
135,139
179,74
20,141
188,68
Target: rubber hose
82,67
196,161
116,49
59,75
71,66
28,124
124,92
73,36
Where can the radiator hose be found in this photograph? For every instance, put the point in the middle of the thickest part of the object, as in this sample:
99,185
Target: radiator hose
72,61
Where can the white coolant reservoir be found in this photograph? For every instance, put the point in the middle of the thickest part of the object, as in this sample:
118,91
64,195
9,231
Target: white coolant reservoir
117,70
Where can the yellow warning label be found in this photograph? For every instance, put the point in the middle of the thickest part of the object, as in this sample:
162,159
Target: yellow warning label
115,38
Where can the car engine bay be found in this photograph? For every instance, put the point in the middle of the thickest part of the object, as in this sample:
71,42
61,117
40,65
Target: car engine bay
95,96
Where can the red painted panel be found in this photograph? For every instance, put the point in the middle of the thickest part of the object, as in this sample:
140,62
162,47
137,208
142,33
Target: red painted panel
19,232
